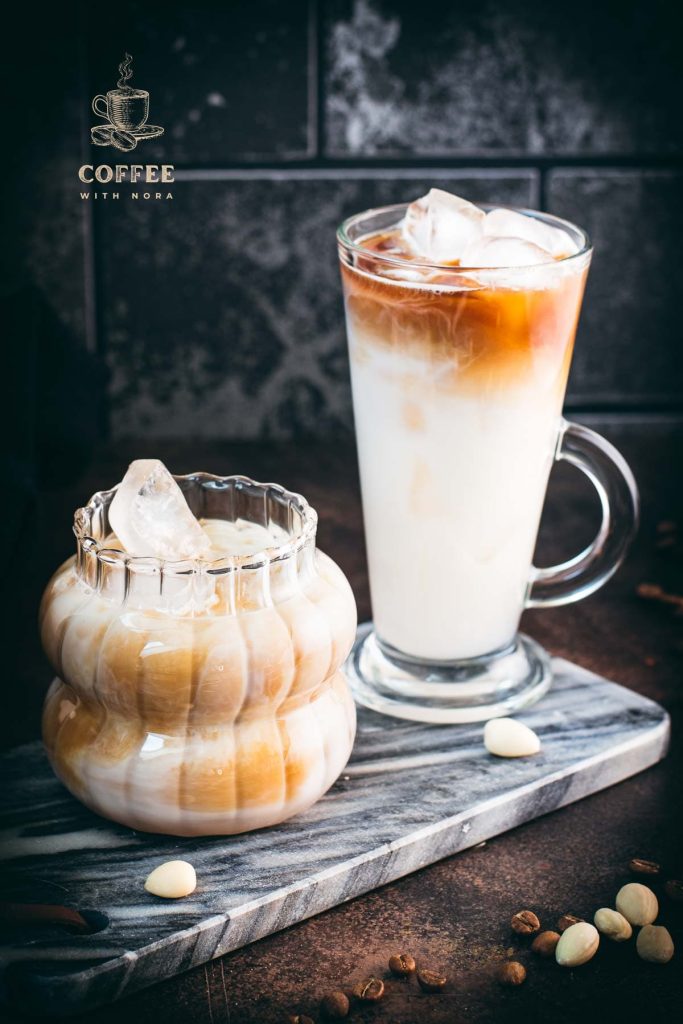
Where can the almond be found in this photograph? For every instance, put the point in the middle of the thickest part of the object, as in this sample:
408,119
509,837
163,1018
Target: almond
577,945
506,737
637,903
172,880
612,924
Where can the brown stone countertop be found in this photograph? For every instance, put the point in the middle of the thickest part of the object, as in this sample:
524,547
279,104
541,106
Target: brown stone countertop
454,915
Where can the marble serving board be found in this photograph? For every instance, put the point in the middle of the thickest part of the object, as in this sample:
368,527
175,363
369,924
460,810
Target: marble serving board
410,795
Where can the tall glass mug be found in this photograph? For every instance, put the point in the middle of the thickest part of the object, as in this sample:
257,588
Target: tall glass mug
458,382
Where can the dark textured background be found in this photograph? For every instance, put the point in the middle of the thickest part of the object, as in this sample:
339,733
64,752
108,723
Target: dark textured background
185,328
218,314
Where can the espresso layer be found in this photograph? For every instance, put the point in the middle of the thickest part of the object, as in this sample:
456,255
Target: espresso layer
487,336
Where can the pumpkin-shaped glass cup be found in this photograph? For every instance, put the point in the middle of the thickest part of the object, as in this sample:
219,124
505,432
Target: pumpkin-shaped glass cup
200,697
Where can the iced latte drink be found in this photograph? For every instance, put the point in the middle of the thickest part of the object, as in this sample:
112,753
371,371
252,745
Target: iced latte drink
461,325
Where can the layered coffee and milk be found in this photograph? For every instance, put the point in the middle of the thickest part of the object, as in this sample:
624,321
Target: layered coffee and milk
198,646
461,325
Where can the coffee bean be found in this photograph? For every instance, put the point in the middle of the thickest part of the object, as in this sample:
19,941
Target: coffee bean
369,990
544,943
300,1018
674,889
566,921
430,981
402,965
335,1005
123,140
525,923
643,867
100,135
511,973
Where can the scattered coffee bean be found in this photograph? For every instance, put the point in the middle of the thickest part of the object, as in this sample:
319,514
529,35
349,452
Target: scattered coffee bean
430,981
643,867
566,921
335,1005
511,973
674,889
654,944
544,943
525,923
370,990
402,965
300,1018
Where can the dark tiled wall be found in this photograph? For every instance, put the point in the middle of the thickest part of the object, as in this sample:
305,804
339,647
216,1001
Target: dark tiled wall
513,77
219,313
231,322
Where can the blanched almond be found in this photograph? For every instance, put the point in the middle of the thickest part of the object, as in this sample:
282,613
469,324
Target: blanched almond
612,924
506,737
577,945
637,903
172,880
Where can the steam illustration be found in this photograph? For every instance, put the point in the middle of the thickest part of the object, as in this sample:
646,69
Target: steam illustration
125,73
125,111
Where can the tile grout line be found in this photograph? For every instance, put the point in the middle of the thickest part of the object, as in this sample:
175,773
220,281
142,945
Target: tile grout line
315,113
89,283
296,173
542,188
586,161
326,170
96,255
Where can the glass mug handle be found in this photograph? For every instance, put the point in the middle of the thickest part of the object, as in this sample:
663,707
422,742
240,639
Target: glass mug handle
96,109
613,480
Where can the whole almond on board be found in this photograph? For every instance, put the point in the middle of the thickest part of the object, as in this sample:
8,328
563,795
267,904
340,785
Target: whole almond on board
654,944
545,943
525,922
172,880
612,924
637,903
506,737
577,945
566,921
643,867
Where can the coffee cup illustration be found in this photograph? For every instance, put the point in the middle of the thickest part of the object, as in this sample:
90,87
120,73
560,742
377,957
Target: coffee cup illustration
126,111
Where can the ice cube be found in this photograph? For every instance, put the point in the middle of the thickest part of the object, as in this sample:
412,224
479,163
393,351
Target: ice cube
150,516
439,226
503,223
489,251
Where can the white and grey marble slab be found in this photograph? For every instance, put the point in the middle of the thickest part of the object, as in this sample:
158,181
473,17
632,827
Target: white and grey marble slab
410,795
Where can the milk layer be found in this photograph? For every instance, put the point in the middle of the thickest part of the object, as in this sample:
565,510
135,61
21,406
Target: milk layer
453,486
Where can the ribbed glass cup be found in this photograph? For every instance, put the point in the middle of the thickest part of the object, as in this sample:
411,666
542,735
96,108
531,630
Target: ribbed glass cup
200,696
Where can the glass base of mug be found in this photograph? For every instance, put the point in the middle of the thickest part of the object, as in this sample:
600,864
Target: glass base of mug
474,690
